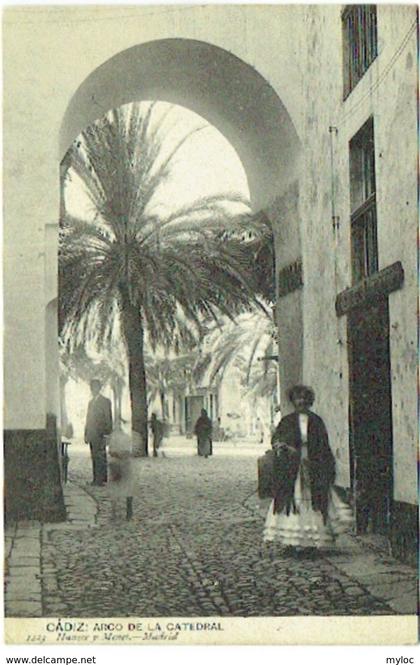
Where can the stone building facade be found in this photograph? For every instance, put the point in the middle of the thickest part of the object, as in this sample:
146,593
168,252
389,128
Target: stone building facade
359,176
273,80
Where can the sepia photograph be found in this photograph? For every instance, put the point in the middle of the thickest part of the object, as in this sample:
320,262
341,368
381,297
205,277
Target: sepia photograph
210,324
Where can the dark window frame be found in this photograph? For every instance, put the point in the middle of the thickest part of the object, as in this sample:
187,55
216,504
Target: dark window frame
360,43
363,218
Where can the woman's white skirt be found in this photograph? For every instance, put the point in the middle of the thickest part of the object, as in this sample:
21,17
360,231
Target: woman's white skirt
306,527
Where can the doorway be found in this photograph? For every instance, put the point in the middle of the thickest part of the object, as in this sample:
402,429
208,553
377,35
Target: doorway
193,406
371,417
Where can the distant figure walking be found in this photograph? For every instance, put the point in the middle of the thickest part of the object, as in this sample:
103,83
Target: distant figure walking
306,513
219,435
157,428
203,430
120,476
65,443
98,425
259,430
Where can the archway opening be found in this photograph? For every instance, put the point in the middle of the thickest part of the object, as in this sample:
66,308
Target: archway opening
205,180
230,95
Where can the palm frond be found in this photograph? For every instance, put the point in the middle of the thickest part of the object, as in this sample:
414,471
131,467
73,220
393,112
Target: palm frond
183,269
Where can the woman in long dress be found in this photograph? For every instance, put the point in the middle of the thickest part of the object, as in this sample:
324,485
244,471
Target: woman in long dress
306,513
203,430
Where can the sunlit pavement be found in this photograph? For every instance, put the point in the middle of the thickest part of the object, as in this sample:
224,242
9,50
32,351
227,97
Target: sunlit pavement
194,548
176,446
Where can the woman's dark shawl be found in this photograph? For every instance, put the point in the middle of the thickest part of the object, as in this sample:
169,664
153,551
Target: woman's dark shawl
203,426
286,464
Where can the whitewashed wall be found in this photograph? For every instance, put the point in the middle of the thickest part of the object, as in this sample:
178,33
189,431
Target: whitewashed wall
388,92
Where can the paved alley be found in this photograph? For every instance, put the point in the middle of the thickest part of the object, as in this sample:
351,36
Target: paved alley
193,549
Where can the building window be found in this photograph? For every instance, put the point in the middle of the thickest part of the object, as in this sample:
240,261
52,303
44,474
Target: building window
360,42
364,242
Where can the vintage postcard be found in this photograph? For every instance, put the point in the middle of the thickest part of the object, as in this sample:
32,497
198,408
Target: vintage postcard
210,324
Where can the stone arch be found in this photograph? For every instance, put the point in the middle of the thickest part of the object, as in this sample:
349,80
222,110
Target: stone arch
210,81
244,107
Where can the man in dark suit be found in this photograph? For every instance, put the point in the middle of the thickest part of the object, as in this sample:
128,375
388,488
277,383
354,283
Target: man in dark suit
98,425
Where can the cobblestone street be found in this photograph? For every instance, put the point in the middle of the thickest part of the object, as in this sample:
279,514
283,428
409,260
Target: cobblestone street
193,548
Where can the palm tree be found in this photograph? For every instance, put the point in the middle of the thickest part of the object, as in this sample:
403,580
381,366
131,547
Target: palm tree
167,374
135,268
163,376
248,343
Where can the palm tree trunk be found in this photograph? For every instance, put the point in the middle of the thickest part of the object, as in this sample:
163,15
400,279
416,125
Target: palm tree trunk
162,404
132,328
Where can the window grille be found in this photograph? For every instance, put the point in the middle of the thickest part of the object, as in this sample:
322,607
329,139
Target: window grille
360,41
